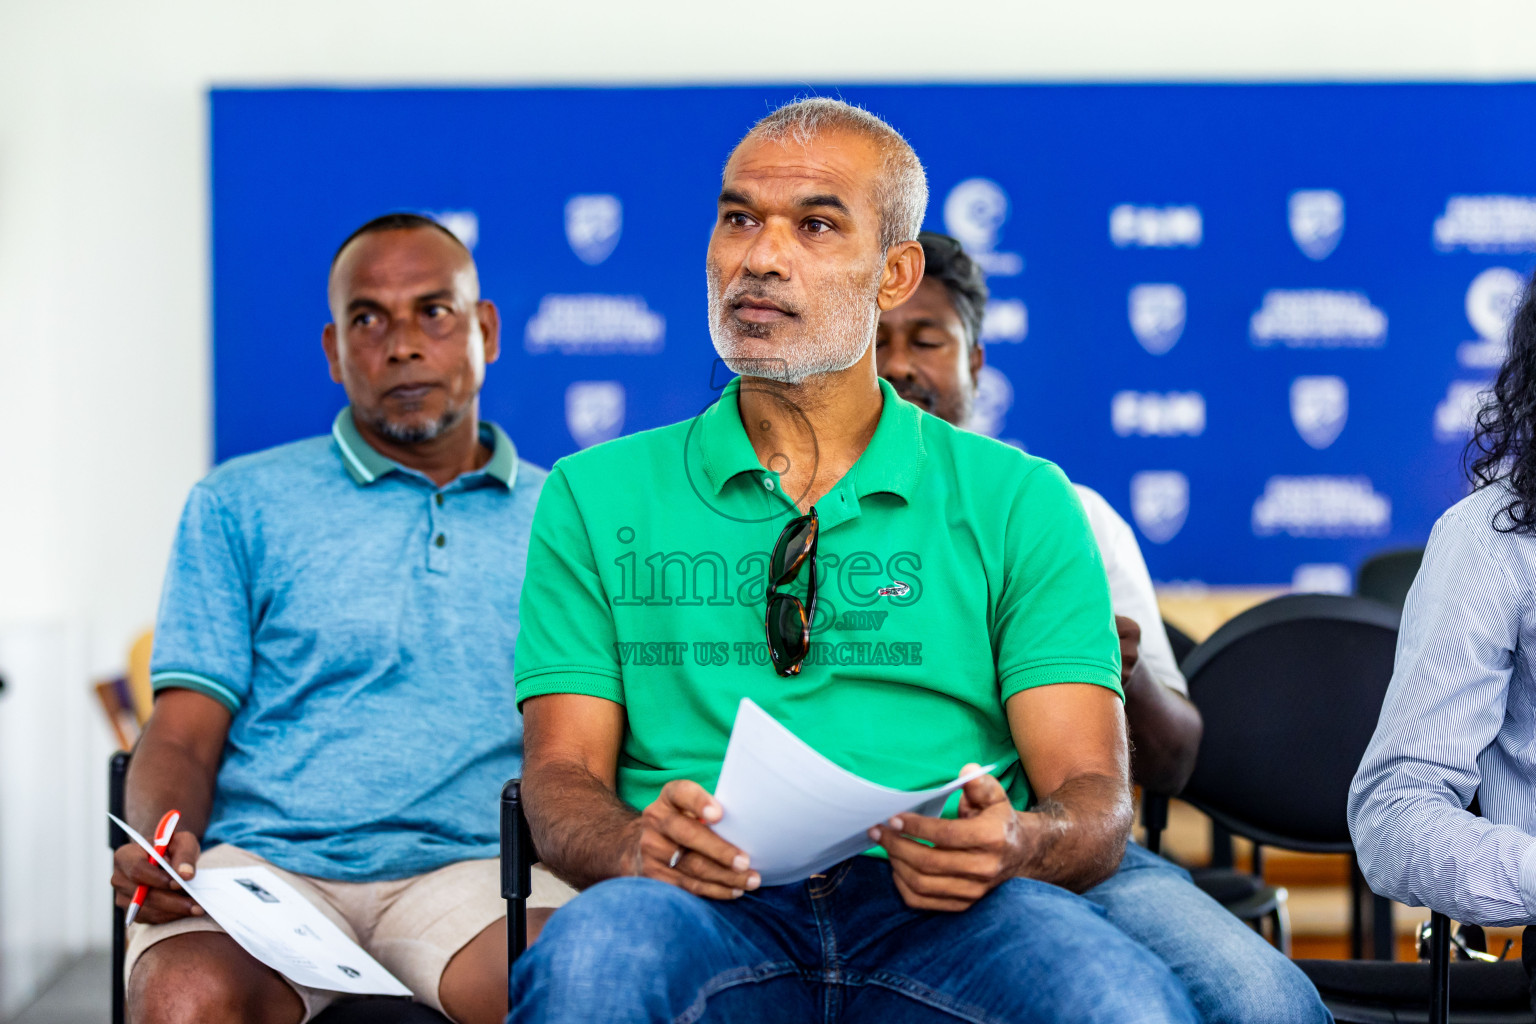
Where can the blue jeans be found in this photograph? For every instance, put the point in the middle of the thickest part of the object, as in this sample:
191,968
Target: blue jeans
1232,974
842,947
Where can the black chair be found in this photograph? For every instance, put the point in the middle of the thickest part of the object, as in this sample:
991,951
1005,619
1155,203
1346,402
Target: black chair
1486,993
1437,992
1290,692
365,1010
1181,642
1233,889
1388,576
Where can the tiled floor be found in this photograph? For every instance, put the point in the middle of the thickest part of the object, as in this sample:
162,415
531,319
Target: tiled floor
79,996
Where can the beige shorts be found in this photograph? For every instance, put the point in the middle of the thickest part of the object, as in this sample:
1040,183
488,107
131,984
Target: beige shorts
413,926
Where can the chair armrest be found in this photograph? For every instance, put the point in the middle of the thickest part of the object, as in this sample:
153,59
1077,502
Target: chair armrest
517,853
117,778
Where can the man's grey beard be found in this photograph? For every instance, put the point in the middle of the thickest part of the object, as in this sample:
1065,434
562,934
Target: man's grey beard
420,433
837,339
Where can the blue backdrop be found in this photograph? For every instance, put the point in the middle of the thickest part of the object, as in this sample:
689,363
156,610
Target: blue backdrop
1254,317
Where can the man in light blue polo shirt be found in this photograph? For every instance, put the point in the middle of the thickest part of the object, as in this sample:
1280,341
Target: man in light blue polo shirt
333,662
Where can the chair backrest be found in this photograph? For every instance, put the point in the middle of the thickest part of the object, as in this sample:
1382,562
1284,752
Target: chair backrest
1386,577
1290,692
1182,643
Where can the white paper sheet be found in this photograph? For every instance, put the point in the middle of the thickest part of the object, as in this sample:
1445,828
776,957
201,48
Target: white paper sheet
273,922
794,812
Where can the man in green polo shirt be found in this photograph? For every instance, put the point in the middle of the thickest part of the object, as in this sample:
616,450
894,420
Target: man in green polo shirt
904,596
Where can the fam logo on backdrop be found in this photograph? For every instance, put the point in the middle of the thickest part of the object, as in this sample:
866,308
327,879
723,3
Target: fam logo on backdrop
1487,224
1317,318
1156,313
1321,506
1319,408
594,411
1317,221
990,405
1157,414
974,212
1160,503
592,226
1492,299
1156,227
464,224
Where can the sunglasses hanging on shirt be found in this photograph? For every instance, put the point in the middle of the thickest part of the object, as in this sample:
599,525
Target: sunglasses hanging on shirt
788,622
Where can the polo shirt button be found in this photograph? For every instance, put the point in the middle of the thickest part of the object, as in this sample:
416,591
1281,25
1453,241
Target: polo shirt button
768,482
441,540
439,501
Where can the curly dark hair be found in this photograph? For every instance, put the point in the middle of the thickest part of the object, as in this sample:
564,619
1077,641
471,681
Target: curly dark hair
1503,444
952,266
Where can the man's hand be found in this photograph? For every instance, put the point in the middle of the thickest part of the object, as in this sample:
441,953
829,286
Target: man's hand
175,764
1130,646
131,868
677,845
970,856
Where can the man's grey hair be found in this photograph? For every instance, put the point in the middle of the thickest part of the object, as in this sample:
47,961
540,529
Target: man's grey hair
901,193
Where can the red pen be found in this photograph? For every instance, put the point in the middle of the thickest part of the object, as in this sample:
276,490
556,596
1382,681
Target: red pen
162,840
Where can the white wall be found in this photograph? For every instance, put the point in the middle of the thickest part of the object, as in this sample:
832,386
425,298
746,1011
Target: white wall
104,395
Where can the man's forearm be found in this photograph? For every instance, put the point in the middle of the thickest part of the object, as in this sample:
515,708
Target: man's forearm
584,832
1165,733
165,775
1081,831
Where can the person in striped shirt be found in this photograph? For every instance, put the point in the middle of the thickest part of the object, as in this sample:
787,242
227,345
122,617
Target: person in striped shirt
1460,714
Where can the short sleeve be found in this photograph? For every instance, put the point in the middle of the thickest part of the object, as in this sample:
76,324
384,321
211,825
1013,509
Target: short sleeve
1052,621
565,640
203,632
1130,587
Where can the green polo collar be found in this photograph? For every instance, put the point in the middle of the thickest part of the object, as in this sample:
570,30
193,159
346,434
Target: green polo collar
366,465
891,463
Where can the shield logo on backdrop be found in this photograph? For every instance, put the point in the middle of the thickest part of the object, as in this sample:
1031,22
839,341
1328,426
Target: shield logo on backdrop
1160,503
592,226
594,411
1319,408
464,224
1157,315
993,399
1317,221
